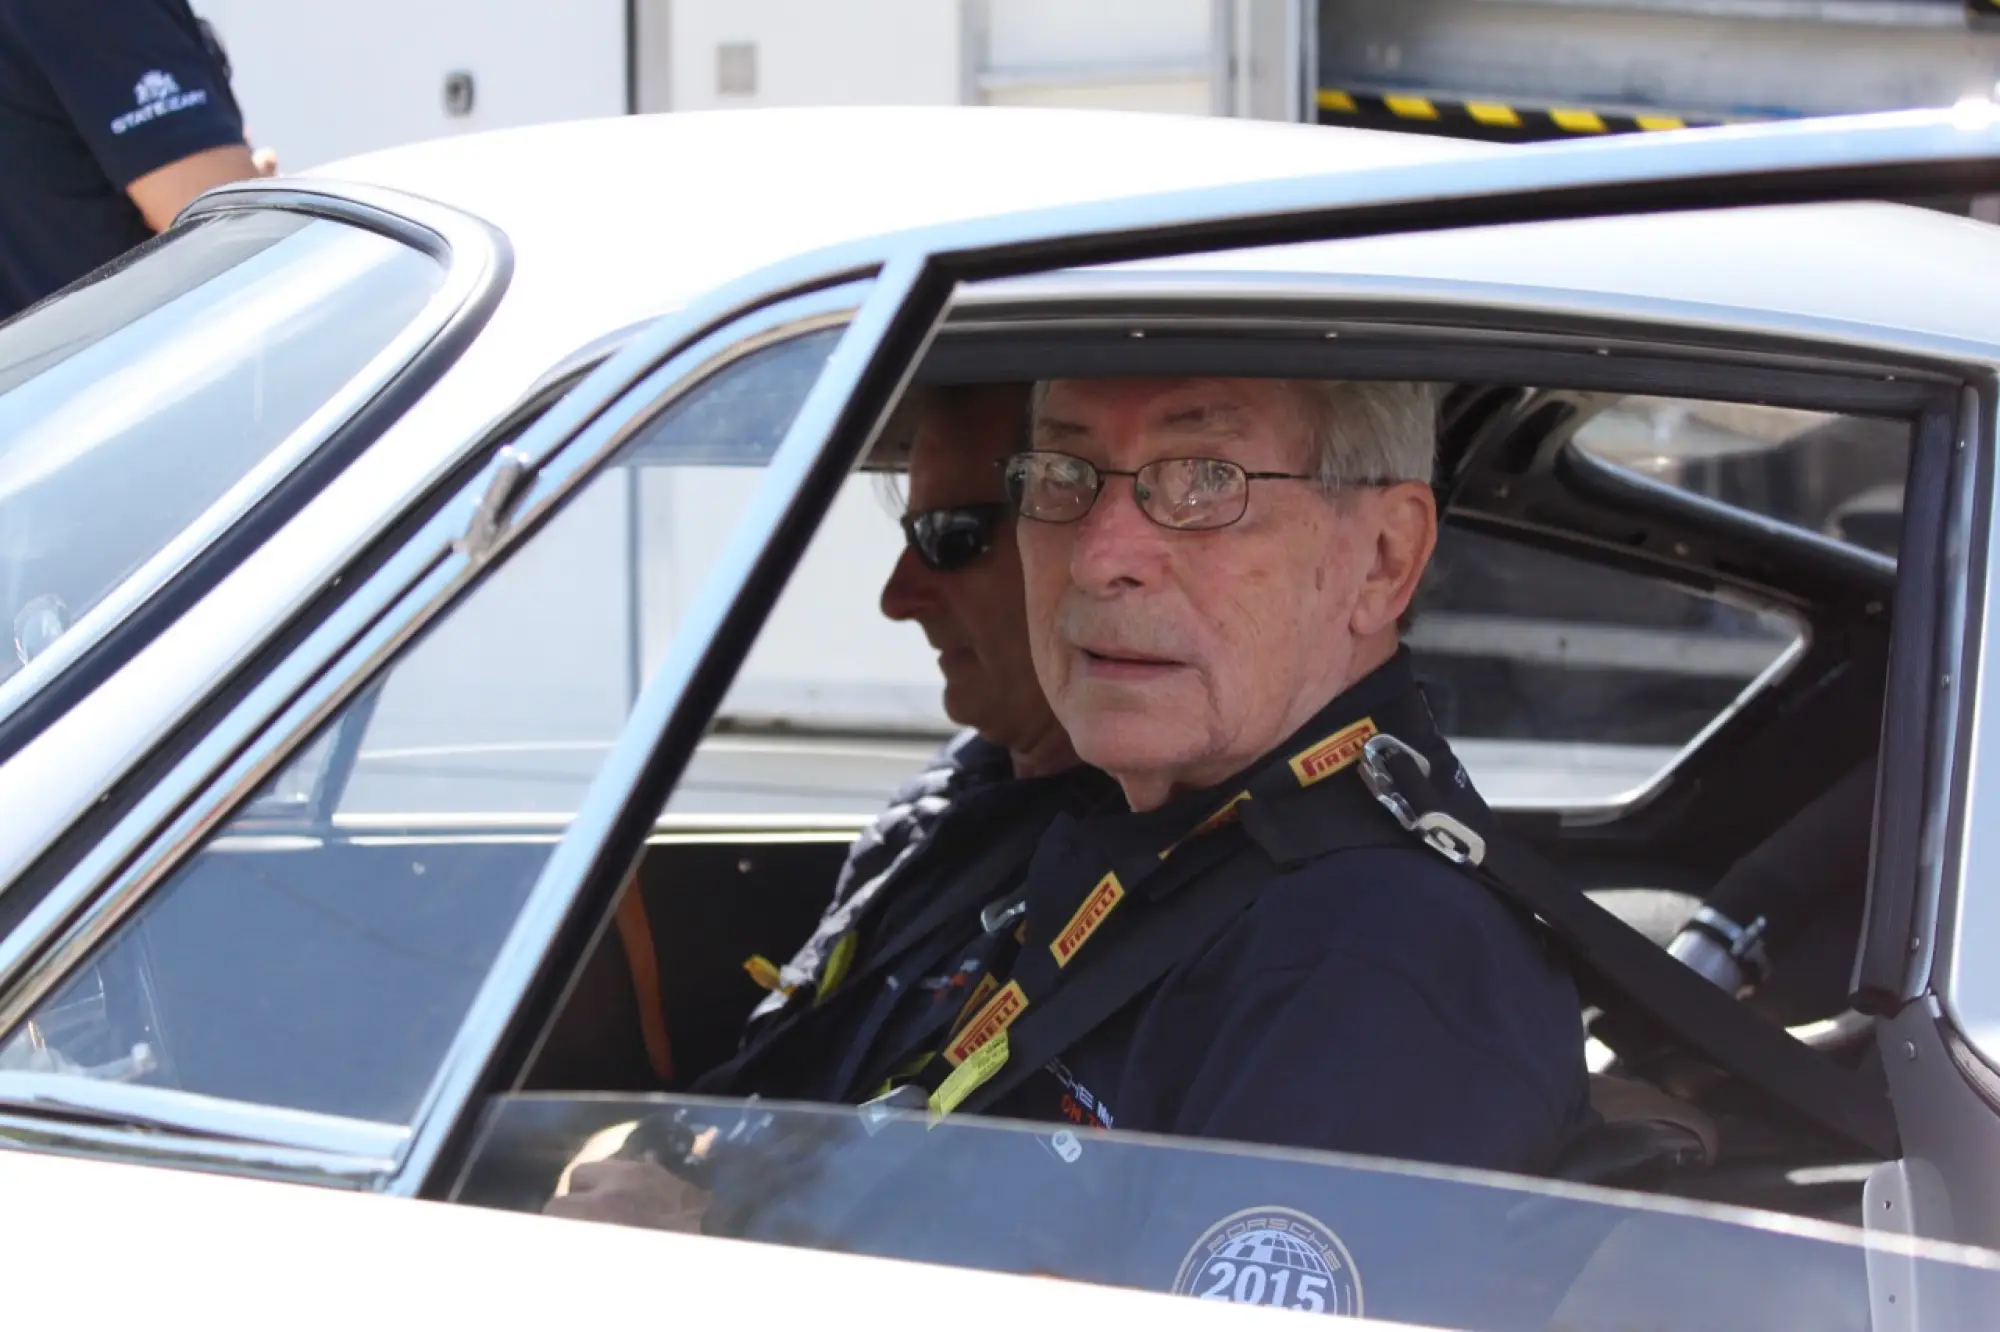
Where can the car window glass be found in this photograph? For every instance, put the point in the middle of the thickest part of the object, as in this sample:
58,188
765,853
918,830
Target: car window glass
1835,476
320,951
1280,1227
132,405
1561,680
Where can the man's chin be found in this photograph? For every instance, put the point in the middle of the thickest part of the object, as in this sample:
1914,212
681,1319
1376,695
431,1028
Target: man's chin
1132,745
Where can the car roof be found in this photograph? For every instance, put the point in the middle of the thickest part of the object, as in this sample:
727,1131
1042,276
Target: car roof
614,221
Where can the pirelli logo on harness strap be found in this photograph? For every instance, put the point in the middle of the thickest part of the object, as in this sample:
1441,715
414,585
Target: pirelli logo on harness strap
1490,119
1336,753
1107,894
990,1021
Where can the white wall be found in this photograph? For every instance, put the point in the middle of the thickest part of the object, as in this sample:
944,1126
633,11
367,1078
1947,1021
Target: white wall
813,52
320,79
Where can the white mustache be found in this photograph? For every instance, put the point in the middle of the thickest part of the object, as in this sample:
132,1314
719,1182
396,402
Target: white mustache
1122,631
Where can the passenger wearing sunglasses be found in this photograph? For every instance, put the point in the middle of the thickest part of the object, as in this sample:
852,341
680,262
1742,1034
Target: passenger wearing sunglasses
977,810
995,785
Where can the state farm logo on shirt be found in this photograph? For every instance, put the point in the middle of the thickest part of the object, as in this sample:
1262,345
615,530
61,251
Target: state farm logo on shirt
158,93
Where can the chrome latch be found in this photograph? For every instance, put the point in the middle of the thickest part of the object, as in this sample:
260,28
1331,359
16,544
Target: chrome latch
998,914
1441,832
489,520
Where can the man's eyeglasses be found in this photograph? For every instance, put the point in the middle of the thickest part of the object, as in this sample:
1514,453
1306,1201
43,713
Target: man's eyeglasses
949,539
1186,494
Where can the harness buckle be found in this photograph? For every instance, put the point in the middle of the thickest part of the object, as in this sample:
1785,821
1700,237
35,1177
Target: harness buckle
998,914
1441,832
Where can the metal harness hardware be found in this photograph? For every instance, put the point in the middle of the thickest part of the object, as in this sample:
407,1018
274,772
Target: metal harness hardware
1439,831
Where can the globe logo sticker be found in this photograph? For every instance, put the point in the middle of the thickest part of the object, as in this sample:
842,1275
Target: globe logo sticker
1275,1257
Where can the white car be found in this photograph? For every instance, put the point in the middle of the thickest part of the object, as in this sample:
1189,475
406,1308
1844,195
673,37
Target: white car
424,569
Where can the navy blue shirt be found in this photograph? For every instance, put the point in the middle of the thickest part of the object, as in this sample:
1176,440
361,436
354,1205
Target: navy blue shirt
1371,1000
95,94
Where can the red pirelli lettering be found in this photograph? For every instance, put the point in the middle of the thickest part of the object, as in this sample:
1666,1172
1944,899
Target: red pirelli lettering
1106,895
988,1022
1333,754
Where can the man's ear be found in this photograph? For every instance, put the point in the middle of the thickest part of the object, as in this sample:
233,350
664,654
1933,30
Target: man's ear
1405,527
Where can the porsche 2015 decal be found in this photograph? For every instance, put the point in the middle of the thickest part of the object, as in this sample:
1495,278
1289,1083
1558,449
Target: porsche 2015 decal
1272,1256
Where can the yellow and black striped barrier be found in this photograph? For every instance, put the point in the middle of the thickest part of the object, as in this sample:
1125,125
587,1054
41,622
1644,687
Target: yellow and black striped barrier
1485,119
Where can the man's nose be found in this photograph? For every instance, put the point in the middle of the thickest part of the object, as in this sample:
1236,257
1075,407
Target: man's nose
910,588
1115,546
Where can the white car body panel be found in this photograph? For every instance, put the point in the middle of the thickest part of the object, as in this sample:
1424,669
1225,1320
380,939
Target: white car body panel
102,1249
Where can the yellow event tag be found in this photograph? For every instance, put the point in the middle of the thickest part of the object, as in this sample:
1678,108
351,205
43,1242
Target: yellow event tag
764,972
980,1065
835,970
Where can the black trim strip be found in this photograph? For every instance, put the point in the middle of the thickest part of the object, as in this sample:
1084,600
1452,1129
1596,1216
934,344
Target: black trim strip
1889,920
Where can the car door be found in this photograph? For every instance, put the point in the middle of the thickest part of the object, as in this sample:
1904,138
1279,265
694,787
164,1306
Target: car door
872,309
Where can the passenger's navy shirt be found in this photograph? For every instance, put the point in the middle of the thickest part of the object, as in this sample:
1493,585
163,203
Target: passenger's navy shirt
95,94
1371,1000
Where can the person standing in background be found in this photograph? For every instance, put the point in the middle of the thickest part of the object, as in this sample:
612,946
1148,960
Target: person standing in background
114,115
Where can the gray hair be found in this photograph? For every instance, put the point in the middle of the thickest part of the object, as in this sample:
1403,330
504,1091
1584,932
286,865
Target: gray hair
1360,431
1370,431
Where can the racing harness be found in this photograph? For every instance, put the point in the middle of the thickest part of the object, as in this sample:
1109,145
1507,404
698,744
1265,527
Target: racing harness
1353,783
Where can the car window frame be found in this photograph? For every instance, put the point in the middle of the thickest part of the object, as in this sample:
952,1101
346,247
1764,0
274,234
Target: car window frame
476,265
338,664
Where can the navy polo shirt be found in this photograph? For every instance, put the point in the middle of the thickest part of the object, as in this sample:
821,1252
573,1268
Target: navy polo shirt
1374,1001
1371,1000
95,94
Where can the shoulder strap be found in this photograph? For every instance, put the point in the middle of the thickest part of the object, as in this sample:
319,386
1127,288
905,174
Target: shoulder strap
1653,984
999,863
1158,941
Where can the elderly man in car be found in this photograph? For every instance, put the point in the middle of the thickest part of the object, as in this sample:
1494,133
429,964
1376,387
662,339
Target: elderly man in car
1233,942
1215,571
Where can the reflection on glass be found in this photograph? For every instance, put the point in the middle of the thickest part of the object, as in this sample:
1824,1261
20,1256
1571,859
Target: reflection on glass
1309,1231
131,405
320,952
1560,679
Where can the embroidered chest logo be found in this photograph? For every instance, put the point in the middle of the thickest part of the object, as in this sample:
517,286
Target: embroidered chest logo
1276,1257
1079,1105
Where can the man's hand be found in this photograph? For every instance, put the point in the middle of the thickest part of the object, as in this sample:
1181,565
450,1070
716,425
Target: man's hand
631,1193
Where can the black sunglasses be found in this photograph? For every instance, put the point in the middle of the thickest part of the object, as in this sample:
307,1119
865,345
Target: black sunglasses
949,539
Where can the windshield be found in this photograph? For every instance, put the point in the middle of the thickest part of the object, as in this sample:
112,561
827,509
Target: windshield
1309,1231
137,403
